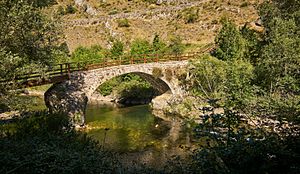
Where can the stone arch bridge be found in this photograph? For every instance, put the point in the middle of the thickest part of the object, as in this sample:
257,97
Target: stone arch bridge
71,96
74,83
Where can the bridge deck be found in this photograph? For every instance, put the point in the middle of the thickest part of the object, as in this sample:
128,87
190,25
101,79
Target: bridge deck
61,72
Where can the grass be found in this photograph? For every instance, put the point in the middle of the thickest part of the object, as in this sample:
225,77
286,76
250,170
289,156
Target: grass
200,30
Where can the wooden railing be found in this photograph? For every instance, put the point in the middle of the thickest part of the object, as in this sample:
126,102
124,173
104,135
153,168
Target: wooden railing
61,72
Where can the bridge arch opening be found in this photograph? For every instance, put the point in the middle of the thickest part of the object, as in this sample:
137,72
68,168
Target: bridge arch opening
132,88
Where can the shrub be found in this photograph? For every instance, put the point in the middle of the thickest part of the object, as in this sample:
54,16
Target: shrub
117,49
190,15
169,74
157,72
176,46
231,45
157,45
140,46
209,76
123,23
70,9
83,54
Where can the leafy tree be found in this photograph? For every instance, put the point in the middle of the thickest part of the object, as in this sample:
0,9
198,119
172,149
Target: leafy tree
83,54
208,76
26,32
176,46
29,41
231,45
140,46
158,45
238,85
117,49
280,58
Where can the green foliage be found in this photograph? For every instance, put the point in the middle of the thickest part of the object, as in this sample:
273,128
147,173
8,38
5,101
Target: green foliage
229,81
238,86
158,45
42,143
33,37
231,45
157,72
209,76
190,15
107,87
261,79
29,41
140,46
117,49
176,46
280,55
93,54
134,90
128,87
9,65
123,23
70,9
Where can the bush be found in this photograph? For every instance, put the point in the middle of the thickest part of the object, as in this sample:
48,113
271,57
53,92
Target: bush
157,72
157,45
123,23
117,49
140,46
209,76
43,143
169,74
176,46
231,45
92,54
70,9
190,15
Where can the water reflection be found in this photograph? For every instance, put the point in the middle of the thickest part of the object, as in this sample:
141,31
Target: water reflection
130,128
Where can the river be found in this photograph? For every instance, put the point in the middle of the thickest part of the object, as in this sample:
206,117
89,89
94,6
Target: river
132,131
125,129
136,133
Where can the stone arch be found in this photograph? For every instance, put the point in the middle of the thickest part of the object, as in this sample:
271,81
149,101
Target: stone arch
160,85
81,85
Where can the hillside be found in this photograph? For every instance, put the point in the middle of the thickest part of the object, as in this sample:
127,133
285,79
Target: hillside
90,22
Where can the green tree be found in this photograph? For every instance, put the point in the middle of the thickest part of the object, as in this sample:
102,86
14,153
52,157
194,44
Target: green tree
140,46
230,43
83,54
117,49
158,45
26,32
29,41
176,46
208,76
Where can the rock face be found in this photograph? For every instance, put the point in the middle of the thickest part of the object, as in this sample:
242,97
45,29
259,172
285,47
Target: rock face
61,98
86,6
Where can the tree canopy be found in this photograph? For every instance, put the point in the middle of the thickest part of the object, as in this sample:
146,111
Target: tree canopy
29,40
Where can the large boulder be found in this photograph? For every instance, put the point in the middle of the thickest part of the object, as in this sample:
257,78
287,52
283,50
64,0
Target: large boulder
61,99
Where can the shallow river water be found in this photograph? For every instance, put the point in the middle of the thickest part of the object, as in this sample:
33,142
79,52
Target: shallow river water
124,128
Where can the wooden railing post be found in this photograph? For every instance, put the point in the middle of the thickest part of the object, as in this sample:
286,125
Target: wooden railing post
131,60
61,69
69,70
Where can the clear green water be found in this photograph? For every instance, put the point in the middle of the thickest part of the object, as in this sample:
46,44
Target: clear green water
127,129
